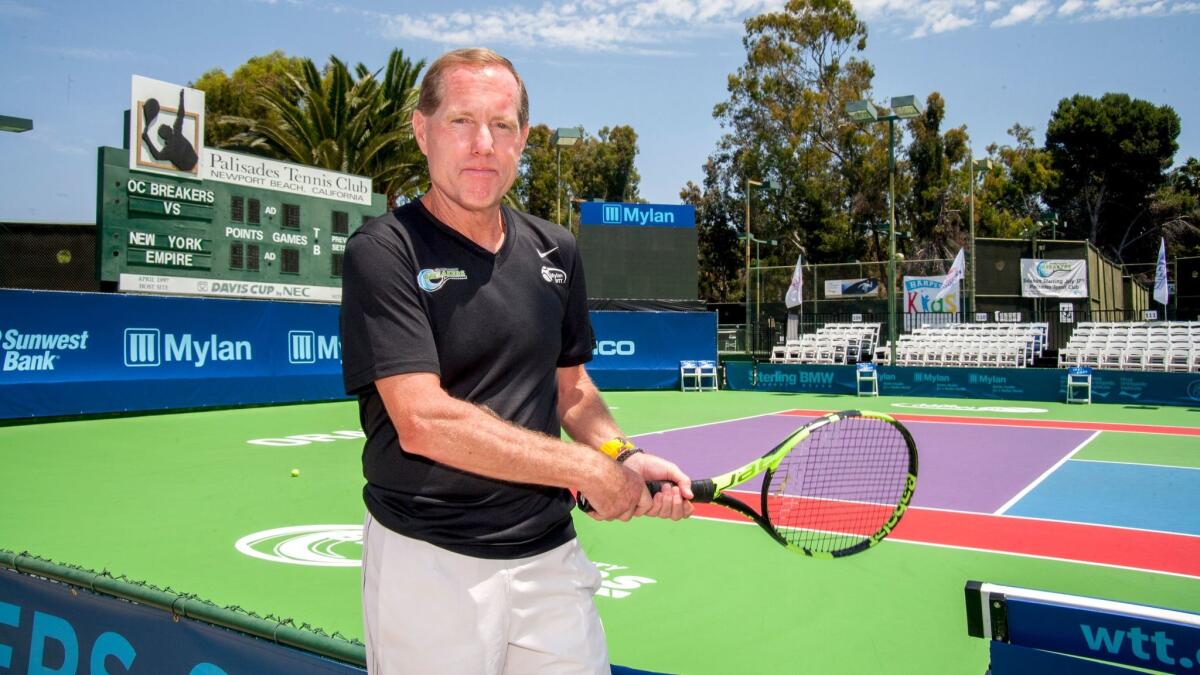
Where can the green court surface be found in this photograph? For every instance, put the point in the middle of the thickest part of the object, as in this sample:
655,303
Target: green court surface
163,498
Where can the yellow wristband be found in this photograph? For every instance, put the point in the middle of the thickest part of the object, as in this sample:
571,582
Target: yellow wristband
614,447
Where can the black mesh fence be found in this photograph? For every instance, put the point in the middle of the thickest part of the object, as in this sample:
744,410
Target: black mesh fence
48,256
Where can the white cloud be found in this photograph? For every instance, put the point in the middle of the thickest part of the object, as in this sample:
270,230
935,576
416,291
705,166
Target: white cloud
662,27
1070,7
639,26
1022,12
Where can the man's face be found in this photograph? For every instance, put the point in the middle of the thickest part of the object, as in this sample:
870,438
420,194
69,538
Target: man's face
473,141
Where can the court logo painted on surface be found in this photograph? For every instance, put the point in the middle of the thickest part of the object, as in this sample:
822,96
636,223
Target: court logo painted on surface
311,545
342,546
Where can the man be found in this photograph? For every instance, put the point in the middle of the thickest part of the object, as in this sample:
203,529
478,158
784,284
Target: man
465,331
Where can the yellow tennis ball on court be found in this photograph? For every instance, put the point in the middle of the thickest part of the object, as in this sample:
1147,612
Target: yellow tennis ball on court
295,473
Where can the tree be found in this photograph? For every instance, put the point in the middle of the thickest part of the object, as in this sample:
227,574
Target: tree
1011,200
354,123
235,95
1111,154
597,167
717,215
784,120
936,202
1175,210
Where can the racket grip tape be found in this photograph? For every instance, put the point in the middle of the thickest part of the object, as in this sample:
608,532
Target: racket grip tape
703,490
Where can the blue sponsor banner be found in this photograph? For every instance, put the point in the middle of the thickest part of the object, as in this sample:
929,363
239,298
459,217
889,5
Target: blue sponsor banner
48,627
642,350
637,215
1020,384
81,353
1136,638
91,353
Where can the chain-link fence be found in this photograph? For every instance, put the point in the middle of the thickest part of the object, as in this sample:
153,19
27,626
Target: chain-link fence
858,292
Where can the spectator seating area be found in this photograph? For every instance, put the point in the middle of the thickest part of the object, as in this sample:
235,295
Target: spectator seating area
1164,346
833,343
975,345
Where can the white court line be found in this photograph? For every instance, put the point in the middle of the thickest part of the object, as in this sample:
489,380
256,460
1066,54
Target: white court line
1157,466
710,424
1010,503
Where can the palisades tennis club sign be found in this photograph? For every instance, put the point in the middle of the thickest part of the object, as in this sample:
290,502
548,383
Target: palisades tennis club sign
166,136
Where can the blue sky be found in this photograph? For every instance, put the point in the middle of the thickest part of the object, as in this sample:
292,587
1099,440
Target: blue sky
658,65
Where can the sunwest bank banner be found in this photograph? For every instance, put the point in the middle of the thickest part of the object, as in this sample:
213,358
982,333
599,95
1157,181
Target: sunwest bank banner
1053,278
81,353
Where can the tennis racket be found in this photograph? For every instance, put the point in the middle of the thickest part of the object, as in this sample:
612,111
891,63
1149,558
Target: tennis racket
834,487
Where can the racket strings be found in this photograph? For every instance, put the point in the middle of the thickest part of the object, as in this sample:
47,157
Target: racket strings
840,485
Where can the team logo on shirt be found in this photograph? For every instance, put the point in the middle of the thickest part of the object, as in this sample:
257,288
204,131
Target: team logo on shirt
431,280
553,275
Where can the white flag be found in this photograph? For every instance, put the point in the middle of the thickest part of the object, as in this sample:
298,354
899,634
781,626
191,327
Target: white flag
954,276
1160,274
795,291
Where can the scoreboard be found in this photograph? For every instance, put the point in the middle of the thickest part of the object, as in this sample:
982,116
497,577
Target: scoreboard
277,233
639,251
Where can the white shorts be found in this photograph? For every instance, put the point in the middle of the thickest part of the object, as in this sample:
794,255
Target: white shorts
428,610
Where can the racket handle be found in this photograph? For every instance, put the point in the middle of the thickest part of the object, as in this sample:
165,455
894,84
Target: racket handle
704,491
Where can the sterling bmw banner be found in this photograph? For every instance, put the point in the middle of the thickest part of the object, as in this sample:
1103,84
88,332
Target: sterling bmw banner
1053,278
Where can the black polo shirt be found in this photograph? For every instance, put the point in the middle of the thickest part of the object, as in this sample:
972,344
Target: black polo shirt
420,297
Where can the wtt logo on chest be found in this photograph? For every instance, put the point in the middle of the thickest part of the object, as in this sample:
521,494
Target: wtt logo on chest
553,275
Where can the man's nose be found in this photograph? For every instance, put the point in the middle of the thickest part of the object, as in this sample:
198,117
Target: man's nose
482,143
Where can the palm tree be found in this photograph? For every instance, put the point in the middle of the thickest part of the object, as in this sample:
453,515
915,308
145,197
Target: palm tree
355,124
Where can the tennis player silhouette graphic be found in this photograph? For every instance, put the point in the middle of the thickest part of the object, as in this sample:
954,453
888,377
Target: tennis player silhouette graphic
176,149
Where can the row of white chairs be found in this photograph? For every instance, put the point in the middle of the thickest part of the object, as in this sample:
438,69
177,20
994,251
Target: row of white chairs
1007,352
1165,346
833,343
1009,345
1038,331
1157,356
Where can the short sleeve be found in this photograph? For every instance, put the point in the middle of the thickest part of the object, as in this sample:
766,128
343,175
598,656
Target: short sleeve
385,327
577,338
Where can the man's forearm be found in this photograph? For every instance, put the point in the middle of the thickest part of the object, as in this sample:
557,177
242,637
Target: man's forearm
468,437
583,413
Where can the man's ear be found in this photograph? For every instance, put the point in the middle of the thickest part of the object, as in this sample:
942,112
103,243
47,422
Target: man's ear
418,124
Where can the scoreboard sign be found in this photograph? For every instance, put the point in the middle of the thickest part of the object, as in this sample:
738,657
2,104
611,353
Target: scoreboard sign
639,251
177,218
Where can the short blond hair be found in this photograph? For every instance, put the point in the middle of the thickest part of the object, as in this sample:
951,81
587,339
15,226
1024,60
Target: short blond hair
472,57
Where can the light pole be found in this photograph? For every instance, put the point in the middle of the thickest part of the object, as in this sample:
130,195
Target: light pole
774,185
974,168
758,273
862,112
563,137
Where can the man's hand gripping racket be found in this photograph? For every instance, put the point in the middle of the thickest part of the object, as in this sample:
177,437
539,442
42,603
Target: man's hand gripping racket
834,487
